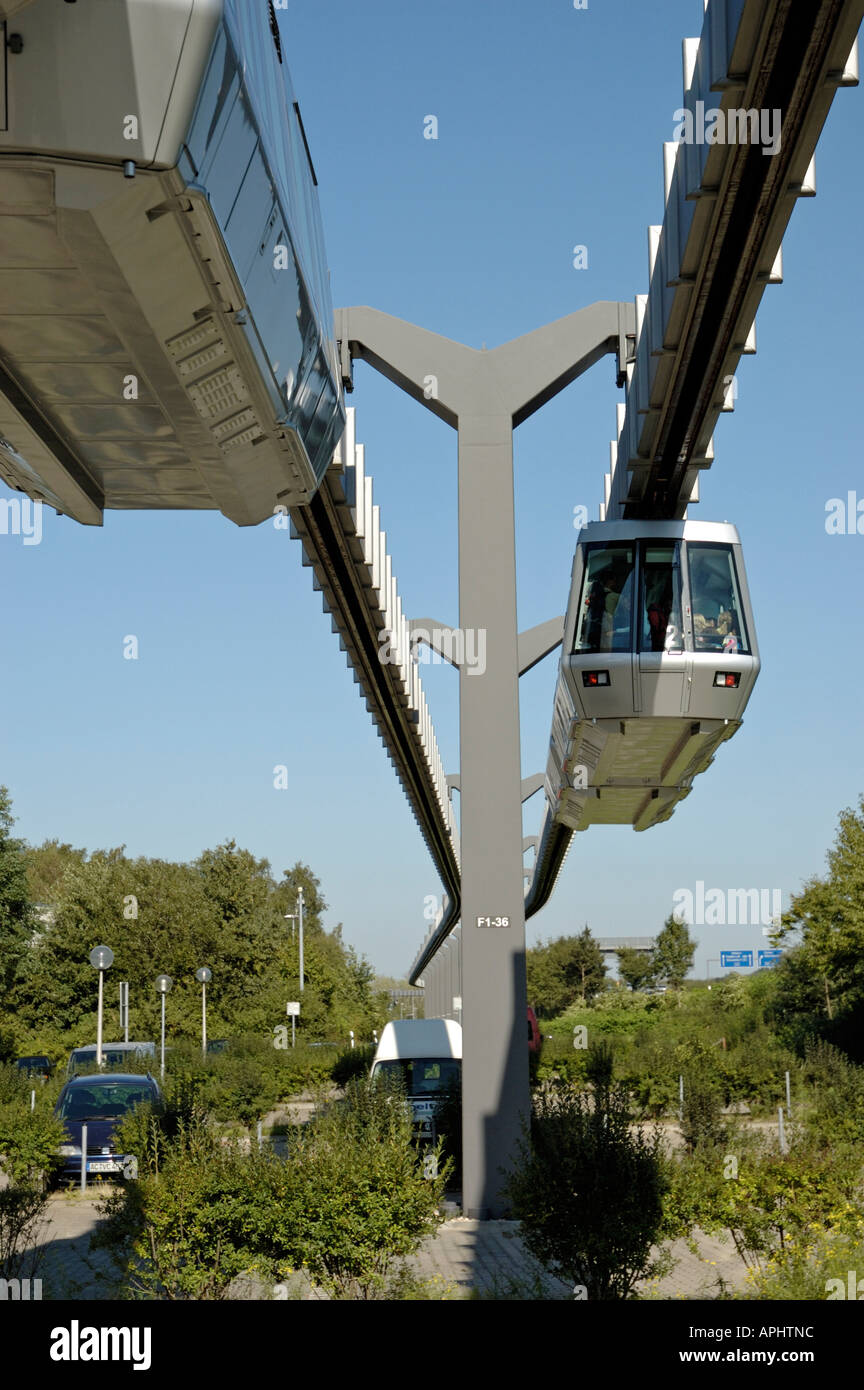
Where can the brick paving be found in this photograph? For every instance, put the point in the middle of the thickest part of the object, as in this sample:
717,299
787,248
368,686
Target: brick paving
488,1257
69,1268
464,1256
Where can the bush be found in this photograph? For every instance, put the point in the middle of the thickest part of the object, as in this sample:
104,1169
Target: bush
355,1062
654,1089
21,1212
252,1076
29,1140
8,1044
187,1231
356,1199
838,1113
241,1088
349,1201
589,1190
560,1060
13,1085
149,1133
767,1201
701,1122
804,1269
599,1069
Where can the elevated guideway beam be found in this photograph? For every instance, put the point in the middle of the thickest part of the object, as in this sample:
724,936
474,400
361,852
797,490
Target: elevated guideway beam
770,68
344,544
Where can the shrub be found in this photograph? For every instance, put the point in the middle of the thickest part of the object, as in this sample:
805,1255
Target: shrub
589,1190
349,1201
353,1063
148,1133
755,1067
838,1113
8,1045
560,1059
701,1122
805,1268
13,1085
767,1201
241,1088
188,1231
599,1068
655,1092
363,1199
29,1140
21,1212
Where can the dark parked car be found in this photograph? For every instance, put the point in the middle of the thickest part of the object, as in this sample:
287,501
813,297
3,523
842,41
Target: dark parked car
101,1102
36,1066
215,1045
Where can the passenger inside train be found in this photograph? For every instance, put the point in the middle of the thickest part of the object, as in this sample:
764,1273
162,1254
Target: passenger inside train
661,605
716,622
605,621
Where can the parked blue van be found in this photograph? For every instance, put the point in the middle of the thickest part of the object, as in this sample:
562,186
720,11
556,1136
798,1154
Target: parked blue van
100,1102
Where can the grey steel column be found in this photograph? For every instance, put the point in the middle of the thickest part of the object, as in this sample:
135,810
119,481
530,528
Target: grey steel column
484,395
495,1066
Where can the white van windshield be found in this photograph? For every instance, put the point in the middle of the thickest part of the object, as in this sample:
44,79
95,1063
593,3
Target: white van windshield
422,1076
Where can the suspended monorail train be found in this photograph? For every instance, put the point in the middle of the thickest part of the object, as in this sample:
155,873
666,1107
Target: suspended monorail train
165,316
658,662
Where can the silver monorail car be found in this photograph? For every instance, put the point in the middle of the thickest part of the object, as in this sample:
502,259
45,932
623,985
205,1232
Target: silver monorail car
658,662
165,317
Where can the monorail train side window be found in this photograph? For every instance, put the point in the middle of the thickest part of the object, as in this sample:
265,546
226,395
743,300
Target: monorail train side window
604,621
660,598
718,618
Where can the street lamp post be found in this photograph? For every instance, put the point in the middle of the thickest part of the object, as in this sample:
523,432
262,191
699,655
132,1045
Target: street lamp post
163,985
293,919
101,958
300,914
204,976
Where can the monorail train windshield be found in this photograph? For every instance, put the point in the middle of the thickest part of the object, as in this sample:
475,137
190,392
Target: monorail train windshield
674,612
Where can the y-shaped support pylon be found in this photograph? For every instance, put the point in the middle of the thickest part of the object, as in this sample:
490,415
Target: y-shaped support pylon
484,395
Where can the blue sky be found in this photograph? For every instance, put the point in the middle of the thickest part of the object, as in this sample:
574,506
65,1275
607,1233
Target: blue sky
550,131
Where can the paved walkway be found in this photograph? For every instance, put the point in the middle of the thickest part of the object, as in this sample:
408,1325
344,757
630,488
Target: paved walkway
489,1258
463,1258
69,1268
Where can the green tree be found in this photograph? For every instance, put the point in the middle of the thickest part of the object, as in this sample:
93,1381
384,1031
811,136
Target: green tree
225,911
548,991
636,968
562,971
16,917
673,953
584,965
46,866
820,978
